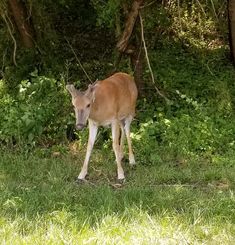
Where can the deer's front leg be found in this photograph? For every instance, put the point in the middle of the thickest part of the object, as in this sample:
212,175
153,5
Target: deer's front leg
92,136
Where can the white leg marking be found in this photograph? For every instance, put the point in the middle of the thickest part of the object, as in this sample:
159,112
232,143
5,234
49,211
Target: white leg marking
116,147
92,136
127,131
122,141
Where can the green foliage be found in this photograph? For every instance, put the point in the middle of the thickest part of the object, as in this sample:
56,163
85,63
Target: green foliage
188,51
27,61
191,131
197,21
36,113
107,12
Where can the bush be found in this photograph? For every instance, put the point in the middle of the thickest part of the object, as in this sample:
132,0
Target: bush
36,114
190,132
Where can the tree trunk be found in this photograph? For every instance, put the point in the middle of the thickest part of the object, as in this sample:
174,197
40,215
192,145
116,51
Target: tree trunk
231,18
132,49
22,22
130,23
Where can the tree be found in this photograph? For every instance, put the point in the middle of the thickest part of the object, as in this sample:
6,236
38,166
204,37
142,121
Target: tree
23,22
134,49
231,17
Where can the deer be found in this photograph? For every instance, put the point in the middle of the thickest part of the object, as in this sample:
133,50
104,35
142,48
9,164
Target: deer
111,101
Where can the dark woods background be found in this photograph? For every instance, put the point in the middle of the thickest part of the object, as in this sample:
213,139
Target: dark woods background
188,110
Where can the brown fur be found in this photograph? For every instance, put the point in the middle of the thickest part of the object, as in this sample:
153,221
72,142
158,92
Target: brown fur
115,98
110,101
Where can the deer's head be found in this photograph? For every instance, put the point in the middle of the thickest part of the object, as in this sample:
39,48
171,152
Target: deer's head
82,102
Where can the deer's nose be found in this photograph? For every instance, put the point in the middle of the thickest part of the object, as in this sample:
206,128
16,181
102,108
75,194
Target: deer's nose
80,126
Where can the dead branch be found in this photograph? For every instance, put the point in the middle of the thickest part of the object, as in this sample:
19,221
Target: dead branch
179,15
79,62
147,58
200,5
214,11
148,4
3,63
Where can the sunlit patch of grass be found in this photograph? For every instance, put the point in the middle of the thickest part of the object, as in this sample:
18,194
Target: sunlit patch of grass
41,204
134,226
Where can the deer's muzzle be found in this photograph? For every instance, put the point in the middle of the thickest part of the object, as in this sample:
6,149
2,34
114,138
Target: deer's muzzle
80,126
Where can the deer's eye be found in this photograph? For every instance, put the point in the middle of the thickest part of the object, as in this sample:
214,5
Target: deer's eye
88,105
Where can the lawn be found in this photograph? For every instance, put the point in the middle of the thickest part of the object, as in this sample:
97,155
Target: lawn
40,203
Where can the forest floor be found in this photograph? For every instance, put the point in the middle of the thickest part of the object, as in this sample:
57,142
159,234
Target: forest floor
188,203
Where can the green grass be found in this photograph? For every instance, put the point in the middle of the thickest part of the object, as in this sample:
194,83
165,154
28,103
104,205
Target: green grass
40,203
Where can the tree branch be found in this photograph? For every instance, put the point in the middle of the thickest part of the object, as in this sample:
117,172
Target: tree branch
147,58
79,62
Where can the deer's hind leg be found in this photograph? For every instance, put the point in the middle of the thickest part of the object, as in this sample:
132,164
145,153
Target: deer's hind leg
128,121
116,147
122,139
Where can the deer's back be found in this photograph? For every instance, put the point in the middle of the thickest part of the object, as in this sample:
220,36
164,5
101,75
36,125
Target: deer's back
115,98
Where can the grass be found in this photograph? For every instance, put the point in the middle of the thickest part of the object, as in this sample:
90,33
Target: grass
163,204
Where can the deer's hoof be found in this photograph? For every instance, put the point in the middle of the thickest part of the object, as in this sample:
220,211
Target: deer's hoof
80,181
133,166
121,181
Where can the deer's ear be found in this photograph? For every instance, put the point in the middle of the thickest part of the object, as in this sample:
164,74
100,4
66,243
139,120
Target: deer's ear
90,92
72,90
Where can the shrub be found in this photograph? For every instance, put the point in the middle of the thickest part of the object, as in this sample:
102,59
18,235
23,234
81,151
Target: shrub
35,113
190,132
